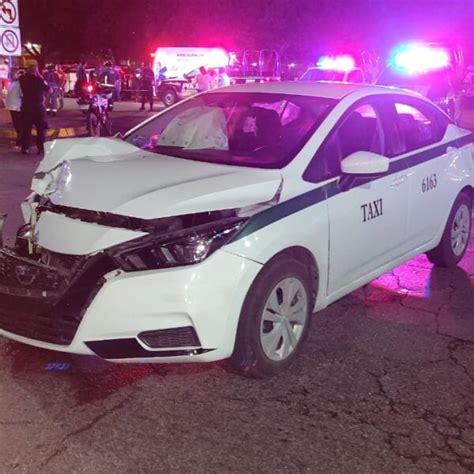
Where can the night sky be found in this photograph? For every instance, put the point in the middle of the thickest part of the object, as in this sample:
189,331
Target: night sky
127,29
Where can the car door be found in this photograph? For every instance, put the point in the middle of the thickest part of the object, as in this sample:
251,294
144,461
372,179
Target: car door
367,214
431,161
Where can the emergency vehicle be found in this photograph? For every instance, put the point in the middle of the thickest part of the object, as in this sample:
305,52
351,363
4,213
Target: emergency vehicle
216,228
432,69
246,67
338,68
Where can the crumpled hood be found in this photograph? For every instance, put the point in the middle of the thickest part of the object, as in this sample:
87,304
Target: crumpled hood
110,175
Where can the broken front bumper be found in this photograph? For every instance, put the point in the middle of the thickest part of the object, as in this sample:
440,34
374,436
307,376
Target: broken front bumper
85,305
47,301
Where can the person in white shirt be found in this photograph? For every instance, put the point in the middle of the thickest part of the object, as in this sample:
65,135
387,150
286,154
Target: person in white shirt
222,78
13,103
203,80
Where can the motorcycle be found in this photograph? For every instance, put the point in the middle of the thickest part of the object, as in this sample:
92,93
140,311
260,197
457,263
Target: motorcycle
95,104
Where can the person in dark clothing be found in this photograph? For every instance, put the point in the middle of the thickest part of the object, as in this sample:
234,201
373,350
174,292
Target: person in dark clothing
52,97
147,83
81,79
33,89
107,81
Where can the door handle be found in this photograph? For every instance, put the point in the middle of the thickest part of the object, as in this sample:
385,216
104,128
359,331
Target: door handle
398,180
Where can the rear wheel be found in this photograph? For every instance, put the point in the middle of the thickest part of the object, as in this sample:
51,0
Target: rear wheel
275,319
456,235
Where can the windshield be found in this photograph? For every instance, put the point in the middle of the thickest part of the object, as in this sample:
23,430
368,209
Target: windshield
244,129
323,75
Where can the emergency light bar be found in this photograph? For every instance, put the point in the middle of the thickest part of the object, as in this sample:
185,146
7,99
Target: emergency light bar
419,58
336,63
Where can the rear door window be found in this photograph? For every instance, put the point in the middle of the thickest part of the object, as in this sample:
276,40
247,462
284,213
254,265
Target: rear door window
417,125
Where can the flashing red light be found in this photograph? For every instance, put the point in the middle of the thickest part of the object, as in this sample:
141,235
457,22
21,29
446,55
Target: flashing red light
90,88
152,55
419,58
336,63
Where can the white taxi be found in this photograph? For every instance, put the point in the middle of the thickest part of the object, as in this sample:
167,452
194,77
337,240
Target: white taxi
215,229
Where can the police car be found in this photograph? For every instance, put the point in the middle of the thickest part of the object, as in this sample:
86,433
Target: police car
215,229
335,68
174,89
428,69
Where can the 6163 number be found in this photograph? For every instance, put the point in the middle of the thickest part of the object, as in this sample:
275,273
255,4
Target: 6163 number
429,183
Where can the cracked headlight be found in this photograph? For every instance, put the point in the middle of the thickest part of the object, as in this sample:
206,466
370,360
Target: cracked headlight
187,247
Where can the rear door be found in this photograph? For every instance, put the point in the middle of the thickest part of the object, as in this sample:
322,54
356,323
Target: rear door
433,163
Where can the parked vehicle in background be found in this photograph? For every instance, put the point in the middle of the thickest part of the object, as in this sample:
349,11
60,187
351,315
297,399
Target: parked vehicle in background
247,67
360,67
172,90
431,69
175,63
254,66
336,68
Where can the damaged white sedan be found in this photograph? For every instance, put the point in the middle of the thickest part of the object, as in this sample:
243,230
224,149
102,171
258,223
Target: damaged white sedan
216,228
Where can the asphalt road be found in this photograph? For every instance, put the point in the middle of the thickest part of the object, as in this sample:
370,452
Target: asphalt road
385,384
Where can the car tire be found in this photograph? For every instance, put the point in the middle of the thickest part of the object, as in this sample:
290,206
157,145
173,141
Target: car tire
169,97
262,346
456,235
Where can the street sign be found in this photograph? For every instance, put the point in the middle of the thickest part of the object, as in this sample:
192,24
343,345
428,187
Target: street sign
10,41
9,13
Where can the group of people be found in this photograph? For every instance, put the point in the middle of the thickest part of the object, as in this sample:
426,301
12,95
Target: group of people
26,101
107,75
211,78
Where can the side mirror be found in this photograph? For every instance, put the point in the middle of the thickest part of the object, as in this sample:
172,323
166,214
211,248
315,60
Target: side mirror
364,163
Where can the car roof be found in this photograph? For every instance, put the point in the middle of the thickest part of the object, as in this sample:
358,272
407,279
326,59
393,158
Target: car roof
324,89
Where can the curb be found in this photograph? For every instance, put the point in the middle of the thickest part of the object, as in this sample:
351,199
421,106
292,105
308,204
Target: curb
8,134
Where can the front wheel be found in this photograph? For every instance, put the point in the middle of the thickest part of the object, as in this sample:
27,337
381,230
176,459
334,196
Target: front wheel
456,235
274,320
169,97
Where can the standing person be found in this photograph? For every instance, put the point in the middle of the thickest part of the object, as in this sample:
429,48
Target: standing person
62,85
13,104
107,81
147,85
33,112
81,80
118,82
52,78
222,79
212,78
203,80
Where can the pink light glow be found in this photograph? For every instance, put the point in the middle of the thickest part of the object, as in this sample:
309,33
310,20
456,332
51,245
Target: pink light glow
336,63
